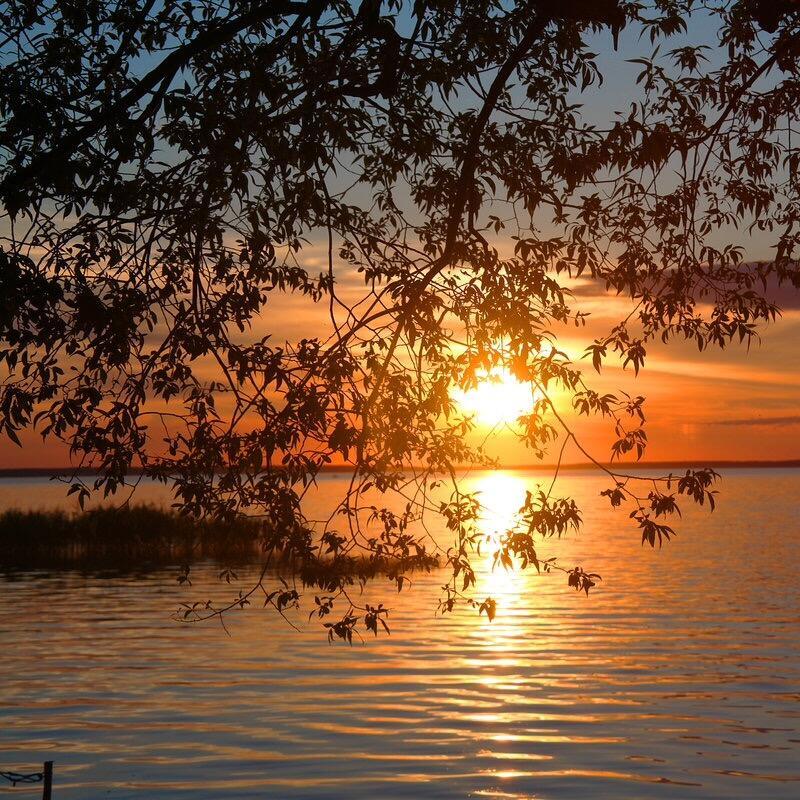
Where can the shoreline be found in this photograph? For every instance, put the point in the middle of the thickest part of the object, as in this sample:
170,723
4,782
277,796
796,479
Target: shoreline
57,472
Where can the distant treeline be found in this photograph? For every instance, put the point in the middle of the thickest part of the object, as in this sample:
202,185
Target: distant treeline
138,534
640,466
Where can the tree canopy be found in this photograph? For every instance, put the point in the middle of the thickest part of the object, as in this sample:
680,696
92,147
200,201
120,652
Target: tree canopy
169,169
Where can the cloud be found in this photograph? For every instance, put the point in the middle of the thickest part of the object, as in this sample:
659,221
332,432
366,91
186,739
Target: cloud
784,295
778,421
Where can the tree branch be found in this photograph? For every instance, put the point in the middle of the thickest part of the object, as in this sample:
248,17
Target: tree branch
12,185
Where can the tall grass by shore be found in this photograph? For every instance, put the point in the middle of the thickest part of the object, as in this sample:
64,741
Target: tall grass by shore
135,534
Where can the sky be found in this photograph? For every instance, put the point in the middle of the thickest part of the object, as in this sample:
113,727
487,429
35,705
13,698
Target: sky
736,404
720,405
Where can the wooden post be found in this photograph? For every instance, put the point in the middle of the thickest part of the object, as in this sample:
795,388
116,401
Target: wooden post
47,792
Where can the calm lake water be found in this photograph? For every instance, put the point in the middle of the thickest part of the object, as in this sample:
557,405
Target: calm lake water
679,677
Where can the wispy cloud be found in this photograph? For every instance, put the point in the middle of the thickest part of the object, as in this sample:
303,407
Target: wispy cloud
778,421
785,295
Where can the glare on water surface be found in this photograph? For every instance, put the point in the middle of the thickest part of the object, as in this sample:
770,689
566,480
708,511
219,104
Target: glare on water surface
676,679
501,495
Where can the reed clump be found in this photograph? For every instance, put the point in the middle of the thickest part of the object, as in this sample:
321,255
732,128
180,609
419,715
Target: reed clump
131,538
138,533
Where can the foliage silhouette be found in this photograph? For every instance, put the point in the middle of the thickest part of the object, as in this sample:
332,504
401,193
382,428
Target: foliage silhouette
170,173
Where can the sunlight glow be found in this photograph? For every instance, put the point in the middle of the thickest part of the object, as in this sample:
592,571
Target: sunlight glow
501,496
498,399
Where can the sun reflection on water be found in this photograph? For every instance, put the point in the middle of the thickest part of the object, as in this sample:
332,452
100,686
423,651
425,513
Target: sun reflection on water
501,495
497,658
556,697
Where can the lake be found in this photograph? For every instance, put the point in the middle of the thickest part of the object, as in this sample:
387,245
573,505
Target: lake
678,677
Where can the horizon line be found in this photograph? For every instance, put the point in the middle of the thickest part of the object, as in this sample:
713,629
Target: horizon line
710,463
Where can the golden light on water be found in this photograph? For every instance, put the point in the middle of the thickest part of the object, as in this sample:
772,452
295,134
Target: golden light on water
498,399
501,495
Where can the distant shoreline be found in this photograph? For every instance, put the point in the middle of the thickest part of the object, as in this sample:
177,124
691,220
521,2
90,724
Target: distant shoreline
48,472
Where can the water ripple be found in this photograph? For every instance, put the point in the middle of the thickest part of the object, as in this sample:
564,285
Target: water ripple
676,679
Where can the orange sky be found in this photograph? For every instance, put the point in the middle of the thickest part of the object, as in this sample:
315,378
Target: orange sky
734,404
719,405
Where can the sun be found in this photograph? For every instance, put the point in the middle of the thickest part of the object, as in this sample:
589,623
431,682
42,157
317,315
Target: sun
498,399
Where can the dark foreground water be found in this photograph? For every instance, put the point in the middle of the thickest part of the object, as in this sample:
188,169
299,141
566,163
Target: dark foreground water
678,678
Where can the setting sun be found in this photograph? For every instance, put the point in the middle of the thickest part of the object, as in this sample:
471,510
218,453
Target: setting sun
498,399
